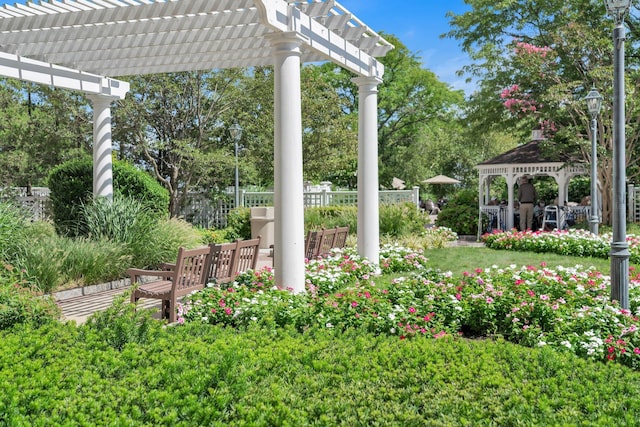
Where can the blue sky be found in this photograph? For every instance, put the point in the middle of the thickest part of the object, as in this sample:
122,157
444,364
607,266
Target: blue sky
418,24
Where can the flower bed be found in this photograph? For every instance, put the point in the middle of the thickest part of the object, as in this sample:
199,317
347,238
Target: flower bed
566,308
571,242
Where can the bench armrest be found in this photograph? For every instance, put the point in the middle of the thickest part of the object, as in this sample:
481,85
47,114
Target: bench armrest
136,273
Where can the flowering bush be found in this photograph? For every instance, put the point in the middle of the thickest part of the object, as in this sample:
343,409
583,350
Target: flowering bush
566,308
438,237
571,242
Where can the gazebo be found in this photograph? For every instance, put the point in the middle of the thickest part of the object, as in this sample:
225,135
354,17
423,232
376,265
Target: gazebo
525,160
84,44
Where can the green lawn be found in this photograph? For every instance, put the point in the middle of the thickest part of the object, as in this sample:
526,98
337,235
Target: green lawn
459,259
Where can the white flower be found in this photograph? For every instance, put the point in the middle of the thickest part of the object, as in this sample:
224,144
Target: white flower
329,325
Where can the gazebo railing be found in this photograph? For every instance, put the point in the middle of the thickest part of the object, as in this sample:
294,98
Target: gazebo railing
496,217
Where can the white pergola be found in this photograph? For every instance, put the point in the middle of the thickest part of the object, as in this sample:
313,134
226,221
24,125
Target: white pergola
84,44
525,159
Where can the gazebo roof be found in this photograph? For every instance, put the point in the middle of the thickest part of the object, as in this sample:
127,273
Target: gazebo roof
130,37
529,153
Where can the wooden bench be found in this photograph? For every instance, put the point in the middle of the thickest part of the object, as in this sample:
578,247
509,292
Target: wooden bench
194,268
230,259
187,275
320,242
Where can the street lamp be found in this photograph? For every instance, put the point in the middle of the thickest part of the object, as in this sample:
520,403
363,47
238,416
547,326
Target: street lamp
236,132
594,103
619,247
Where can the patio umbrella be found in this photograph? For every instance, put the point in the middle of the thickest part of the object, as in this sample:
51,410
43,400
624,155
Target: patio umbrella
441,179
397,184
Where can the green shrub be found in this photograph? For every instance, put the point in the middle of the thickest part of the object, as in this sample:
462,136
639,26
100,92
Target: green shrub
239,224
402,220
212,235
20,303
396,220
162,245
316,218
460,214
122,323
203,375
70,183
130,181
71,186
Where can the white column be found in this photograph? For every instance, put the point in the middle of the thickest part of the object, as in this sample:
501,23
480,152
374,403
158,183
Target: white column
368,200
102,163
289,186
511,181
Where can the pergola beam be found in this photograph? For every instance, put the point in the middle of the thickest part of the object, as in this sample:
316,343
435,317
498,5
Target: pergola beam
27,69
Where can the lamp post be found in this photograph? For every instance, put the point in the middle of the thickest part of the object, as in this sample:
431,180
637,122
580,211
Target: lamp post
594,103
236,132
619,247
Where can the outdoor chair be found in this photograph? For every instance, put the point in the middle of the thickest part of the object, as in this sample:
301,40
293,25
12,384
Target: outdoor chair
188,275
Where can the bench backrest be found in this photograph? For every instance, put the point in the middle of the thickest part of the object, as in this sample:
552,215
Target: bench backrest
221,265
190,270
247,252
227,260
320,242
341,237
326,241
312,243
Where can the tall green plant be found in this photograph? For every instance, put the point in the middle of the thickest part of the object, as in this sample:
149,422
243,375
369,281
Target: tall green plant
401,219
56,262
12,228
122,219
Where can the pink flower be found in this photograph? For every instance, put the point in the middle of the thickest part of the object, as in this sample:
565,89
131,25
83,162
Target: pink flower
354,304
412,310
228,311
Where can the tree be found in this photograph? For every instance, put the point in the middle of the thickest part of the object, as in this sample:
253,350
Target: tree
39,128
329,135
536,61
411,101
175,125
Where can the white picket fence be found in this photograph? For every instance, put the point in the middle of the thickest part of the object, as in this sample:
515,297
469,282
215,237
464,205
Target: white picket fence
202,211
